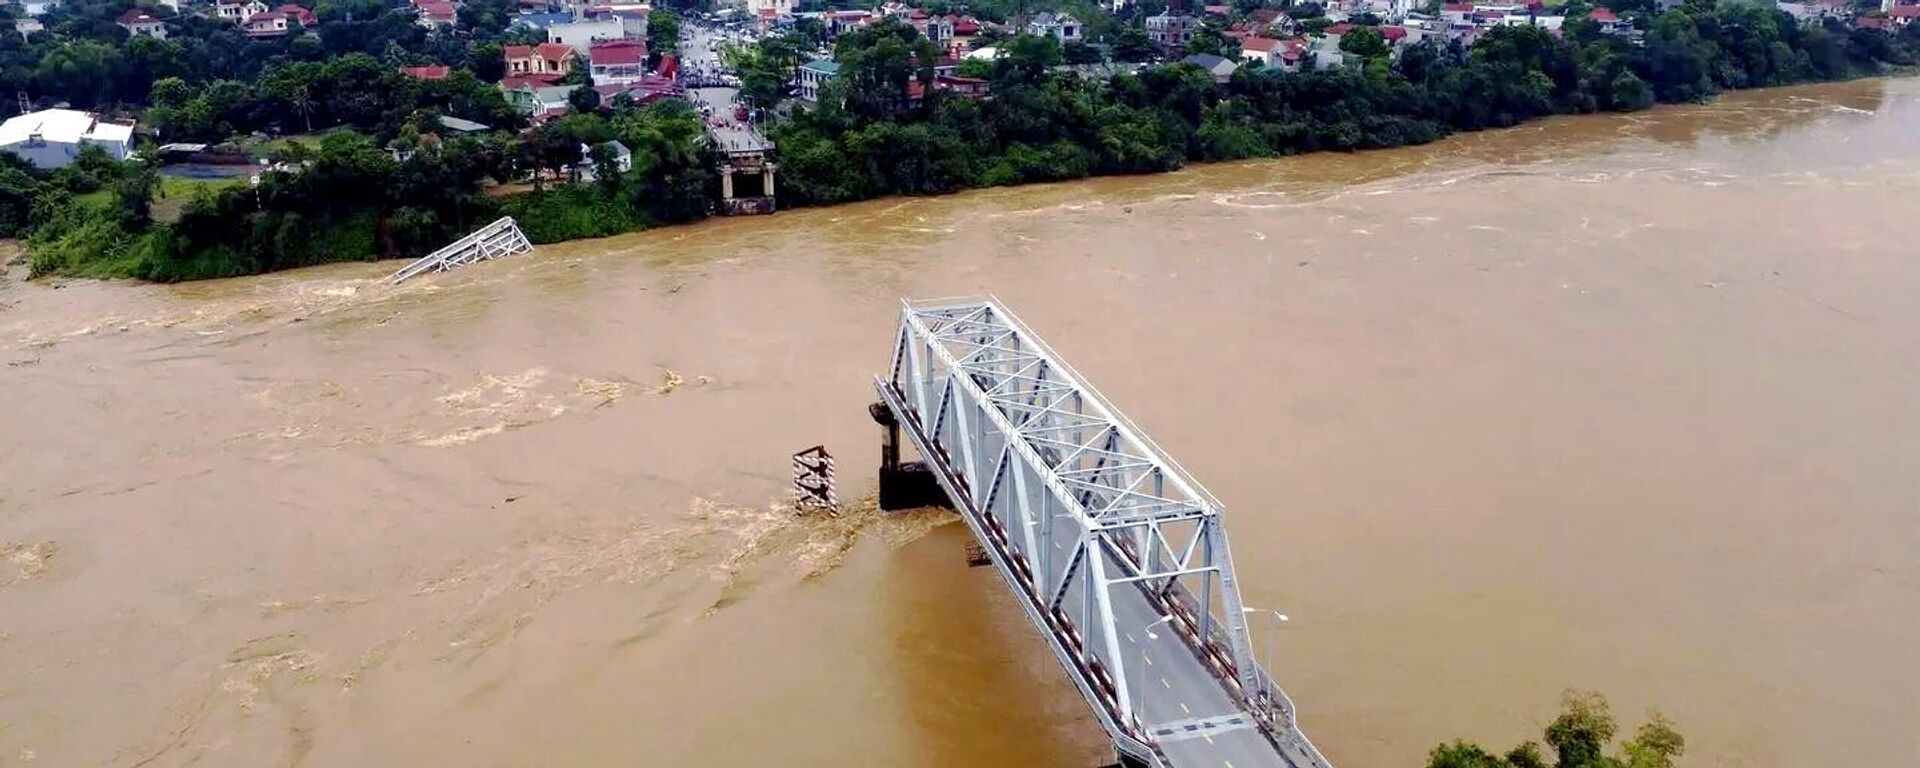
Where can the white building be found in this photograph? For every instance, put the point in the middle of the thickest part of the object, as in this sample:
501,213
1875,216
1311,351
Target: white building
37,7
1059,26
51,138
581,35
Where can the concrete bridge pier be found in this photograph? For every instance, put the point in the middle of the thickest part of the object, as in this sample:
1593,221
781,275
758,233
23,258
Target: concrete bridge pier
903,485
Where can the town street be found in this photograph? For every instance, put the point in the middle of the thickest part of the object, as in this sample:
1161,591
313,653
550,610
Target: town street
701,65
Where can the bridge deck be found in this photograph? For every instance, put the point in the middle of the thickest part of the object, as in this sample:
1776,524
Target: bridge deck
1095,534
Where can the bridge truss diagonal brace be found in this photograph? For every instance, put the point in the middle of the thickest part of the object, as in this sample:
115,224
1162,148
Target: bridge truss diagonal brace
1088,503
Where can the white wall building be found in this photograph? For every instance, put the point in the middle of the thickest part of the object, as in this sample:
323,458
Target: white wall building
51,138
583,34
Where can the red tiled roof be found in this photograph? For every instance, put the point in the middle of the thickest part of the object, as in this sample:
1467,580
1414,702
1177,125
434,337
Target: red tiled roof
1873,22
1265,15
1458,7
516,82
1602,14
1905,12
430,72
435,10
966,27
1261,44
1340,29
265,16
304,16
554,51
1393,33
137,16
618,52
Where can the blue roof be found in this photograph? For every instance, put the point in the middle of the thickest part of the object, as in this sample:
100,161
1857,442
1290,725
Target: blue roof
541,20
824,66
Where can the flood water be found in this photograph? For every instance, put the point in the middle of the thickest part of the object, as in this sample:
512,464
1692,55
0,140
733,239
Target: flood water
1628,403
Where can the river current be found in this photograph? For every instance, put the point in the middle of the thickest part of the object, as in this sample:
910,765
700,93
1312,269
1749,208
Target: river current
1625,403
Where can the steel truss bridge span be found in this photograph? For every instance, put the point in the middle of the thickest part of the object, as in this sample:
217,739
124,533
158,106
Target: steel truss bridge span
1115,553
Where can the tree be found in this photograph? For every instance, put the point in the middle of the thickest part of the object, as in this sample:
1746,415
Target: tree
489,62
1132,45
1579,737
583,99
1365,42
663,31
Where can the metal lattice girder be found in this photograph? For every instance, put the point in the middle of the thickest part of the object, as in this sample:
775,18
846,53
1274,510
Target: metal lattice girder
1076,505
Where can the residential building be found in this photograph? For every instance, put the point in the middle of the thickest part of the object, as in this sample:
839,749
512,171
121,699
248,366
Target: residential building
1265,50
1609,22
1903,15
239,12
32,8
430,72
435,14
268,24
139,23
1171,31
581,35
540,102
617,62
586,170
52,138
1221,68
633,18
554,59
539,20
815,75
1059,26
26,27
778,8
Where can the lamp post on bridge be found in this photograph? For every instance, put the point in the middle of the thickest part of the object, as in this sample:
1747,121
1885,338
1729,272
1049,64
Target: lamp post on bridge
1279,620
1145,650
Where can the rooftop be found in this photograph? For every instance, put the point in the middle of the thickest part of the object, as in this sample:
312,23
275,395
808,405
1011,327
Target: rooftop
63,125
617,52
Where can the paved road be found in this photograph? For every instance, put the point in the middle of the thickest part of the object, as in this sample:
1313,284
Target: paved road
730,133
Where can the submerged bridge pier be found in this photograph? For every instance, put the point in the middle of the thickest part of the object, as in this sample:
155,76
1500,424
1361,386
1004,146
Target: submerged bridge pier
1115,554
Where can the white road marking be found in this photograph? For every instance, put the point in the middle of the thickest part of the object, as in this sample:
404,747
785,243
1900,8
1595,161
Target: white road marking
1163,681
1130,638
1227,763
1207,736
1183,708
1148,660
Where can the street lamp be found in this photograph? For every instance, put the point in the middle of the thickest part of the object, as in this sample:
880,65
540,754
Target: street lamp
1280,619
1144,648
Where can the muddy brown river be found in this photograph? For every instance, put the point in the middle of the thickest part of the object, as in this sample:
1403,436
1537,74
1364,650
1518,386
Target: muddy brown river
1628,403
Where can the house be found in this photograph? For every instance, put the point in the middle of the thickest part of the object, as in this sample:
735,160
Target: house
841,22
139,23
585,169
617,62
37,7
815,75
435,14
268,24
1171,31
458,125
1265,50
1610,23
778,8
239,12
51,138
544,59
539,20
541,102
1457,13
633,18
26,27
970,87
939,29
581,35
1903,15
1059,26
430,72
646,90
1221,68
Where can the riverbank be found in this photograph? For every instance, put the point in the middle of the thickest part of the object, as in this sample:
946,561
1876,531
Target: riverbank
1038,126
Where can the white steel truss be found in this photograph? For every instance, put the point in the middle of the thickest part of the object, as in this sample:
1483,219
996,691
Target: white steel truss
500,238
1074,503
